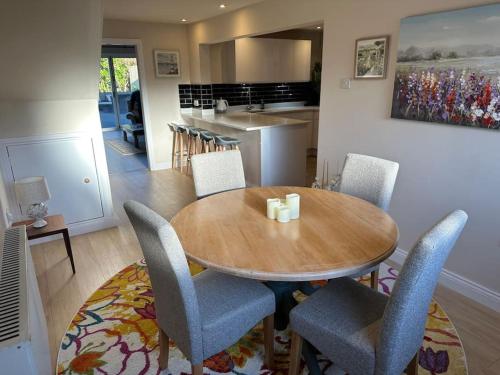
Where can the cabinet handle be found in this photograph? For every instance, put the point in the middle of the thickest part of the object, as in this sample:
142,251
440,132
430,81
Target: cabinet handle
86,180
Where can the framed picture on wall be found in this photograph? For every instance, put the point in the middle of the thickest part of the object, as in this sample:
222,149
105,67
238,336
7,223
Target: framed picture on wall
448,68
371,58
167,63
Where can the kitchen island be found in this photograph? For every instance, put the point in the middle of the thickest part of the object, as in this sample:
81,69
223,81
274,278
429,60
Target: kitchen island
273,148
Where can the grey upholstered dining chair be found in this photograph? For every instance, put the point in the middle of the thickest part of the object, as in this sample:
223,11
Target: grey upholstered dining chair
367,333
203,314
371,179
215,172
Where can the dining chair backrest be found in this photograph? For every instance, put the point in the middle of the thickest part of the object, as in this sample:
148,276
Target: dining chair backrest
405,315
215,172
369,178
177,310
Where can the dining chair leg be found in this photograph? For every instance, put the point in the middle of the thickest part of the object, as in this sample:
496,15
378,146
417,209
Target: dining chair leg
412,368
197,369
374,279
269,341
164,349
295,352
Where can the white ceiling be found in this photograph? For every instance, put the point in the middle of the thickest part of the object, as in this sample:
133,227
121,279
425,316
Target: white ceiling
170,11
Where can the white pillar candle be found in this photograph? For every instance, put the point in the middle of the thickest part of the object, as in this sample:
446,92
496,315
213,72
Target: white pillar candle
293,203
283,214
272,206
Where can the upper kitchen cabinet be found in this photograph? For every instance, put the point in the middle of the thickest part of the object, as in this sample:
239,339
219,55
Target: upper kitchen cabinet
222,63
272,60
261,60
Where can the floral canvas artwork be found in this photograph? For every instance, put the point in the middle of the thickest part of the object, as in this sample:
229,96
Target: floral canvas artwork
448,68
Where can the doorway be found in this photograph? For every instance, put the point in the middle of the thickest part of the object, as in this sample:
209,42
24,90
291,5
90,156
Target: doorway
121,109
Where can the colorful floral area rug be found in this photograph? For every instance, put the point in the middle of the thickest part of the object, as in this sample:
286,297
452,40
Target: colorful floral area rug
115,332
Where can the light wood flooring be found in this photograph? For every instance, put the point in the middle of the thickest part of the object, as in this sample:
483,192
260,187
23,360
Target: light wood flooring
99,255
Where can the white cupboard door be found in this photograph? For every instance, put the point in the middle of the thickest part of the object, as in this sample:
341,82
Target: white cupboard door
272,60
70,169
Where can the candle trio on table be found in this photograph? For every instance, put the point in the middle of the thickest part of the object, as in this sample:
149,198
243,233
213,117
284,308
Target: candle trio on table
284,210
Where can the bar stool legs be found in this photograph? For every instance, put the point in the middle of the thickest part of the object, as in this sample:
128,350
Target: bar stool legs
178,145
188,141
174,148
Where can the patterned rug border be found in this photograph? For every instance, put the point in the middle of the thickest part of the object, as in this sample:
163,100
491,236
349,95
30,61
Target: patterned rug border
196,269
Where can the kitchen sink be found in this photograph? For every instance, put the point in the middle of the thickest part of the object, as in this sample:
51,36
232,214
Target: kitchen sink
255,110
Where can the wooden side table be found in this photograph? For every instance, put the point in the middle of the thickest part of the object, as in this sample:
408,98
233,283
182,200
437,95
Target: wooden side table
55,225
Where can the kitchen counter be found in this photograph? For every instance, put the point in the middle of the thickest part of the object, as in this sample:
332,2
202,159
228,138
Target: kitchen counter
273,148
247,121
283,109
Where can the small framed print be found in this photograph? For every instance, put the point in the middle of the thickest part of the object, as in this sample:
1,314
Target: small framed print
167,63
371,58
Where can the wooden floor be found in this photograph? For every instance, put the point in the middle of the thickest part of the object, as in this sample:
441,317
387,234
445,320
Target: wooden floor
99,255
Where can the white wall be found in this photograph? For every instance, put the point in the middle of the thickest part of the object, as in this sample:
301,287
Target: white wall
163,93
442,167
49,70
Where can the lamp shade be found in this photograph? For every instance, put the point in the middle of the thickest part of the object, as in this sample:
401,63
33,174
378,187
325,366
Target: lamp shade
32,190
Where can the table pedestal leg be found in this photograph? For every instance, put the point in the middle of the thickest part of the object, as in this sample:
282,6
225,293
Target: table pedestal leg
309,353
283,292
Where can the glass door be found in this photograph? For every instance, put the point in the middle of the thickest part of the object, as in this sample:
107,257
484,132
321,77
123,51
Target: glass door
119,93
107,102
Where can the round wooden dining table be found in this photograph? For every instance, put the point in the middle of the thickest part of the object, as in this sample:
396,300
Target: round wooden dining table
336,235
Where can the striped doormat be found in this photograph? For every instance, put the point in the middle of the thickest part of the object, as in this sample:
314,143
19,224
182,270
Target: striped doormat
123,147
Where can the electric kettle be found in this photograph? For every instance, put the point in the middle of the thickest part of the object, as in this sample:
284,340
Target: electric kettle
221,105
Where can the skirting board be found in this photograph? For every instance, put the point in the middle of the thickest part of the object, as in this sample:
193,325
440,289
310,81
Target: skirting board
462,285
160,166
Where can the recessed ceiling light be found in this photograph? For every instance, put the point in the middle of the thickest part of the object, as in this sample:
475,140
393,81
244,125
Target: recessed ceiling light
318,27
184,20
222,6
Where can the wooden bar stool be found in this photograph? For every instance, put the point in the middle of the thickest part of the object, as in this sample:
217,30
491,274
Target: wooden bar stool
178,145
222,142
207,138
195,145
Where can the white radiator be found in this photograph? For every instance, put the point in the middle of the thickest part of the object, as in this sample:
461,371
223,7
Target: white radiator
24,344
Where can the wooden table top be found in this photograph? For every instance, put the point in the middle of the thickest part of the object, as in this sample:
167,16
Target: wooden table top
336,235
55,224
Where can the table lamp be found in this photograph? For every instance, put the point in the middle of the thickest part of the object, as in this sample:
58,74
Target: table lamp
33,192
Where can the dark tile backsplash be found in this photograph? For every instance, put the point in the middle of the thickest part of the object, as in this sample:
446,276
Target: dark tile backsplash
244,93
185,96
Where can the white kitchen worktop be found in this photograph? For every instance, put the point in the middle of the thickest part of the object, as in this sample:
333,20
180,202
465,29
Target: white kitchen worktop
290,109
246,121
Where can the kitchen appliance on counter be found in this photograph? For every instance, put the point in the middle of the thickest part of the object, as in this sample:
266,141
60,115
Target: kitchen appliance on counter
221,105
